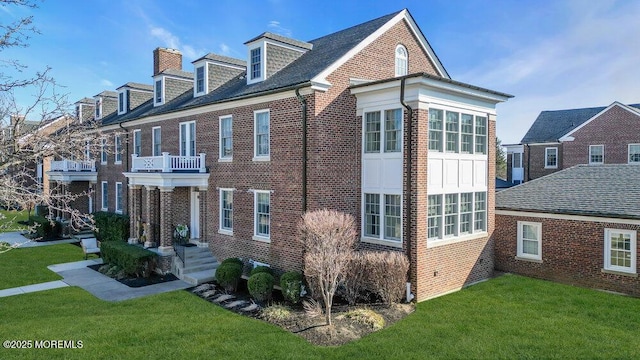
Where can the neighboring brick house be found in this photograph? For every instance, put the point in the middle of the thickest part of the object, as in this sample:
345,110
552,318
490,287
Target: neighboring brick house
577,226
366,121
563,138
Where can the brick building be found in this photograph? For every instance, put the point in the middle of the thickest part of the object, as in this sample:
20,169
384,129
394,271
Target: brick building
577,226
563,138
365,120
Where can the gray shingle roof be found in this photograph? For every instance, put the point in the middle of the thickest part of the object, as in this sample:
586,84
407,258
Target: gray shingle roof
221,58
283,39
137,86
86,101
601,190
108,93
178,73
552,125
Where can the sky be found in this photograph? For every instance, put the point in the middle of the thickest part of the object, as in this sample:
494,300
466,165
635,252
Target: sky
549,54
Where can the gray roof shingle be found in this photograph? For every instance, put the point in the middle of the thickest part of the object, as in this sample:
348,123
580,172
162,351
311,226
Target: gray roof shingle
283,39
552,125
592,190
221,58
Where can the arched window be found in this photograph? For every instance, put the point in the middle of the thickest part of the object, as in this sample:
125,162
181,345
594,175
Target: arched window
401,61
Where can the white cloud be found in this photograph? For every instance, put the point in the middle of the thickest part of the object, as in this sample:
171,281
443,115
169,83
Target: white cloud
592,61
278,29
172,41
106,83
225,49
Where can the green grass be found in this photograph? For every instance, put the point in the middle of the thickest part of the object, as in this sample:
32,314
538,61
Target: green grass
26,266
9,220
510,317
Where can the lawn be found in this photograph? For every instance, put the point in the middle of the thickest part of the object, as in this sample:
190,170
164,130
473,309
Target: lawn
9,220
507,317
26,266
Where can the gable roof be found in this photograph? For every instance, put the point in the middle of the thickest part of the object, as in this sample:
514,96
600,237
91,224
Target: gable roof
550,126
282,39
326,51
221,58
601,190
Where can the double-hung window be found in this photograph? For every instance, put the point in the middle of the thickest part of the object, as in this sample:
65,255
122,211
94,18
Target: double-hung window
452,131
105,196
119,197
156,138
451,215
480,212
634,153
157,100
466,213
137,142
372,215
436,117
529,240
262,215
481,135
262,131
226,138
551,158
188,138
383,220
103,151
118,149
226,210
434,215
466,134
391,137
256,63
596,154
200,85
620,250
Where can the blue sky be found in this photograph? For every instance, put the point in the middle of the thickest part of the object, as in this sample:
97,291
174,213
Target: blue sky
550,54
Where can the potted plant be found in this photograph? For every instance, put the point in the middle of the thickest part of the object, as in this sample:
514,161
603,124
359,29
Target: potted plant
181,234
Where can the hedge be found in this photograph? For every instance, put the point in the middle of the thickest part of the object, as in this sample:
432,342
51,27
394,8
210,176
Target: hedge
260,286
111,226
291,285
134,260
228,274
46,228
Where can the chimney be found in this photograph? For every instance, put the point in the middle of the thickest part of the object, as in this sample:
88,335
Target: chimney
164,59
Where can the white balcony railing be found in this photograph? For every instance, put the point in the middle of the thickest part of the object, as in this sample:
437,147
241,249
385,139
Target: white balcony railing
168,163
71,165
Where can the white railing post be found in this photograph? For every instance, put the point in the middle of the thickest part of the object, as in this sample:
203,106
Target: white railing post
203,168
133,162
166,162
93,167
65,165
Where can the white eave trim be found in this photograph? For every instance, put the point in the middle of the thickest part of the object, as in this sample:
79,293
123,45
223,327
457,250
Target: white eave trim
159,179
540,215
403,15
568,137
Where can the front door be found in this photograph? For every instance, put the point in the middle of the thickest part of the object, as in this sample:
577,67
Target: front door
195,213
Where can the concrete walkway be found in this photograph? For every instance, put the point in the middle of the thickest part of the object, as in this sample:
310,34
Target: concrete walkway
78,274
16,237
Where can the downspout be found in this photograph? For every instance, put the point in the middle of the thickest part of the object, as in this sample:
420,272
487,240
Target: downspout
528,162
127,168
303,106
408,222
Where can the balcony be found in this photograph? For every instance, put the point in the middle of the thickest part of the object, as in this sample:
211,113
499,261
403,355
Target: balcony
168,171
67,171
168,163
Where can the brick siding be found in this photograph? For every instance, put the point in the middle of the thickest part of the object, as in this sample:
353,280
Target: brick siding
534,161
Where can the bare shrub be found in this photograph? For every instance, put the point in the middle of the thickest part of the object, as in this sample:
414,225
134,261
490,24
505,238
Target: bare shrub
329,238
387,274
312,308
366,317
276,313
356,278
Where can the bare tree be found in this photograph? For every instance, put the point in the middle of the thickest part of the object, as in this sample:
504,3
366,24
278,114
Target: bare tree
36,125
329,238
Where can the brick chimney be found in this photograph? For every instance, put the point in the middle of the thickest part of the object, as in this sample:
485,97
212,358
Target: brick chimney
164,59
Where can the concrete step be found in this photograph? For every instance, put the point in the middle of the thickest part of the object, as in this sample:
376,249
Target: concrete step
197,268
83,236
200,261
200,277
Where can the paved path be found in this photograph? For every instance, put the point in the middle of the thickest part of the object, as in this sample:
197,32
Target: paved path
101,286
16,237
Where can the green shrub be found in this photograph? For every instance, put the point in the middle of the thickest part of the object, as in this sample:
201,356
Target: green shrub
233,260
46,229
111,226
260,286
261,269
276,313
228,274
291,284
133,260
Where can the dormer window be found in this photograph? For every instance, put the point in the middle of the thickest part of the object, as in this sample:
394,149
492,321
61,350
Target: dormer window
256,64
98,108
122,102
78,113
158,98
401,61
200,80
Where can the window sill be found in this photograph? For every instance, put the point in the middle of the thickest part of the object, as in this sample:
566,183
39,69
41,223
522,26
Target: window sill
431,243
225,160
390,243
550,167
261,239
262,158
103,163
617,272
118,211
117,162
225,232
539,261
104,209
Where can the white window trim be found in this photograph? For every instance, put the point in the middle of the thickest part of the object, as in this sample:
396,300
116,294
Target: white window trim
382,213
153,140
222,230
263,62
397,58
443,133
629,154
383,134
188,140
117,150
257,157
450,239
229,158
104,157
133,150
205,88
607,251
104,186
98,107
596,163
162,90
122,93
256,236
520,251
546,165
118,205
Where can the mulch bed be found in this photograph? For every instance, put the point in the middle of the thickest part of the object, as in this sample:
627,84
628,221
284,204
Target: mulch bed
136,282
314,328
